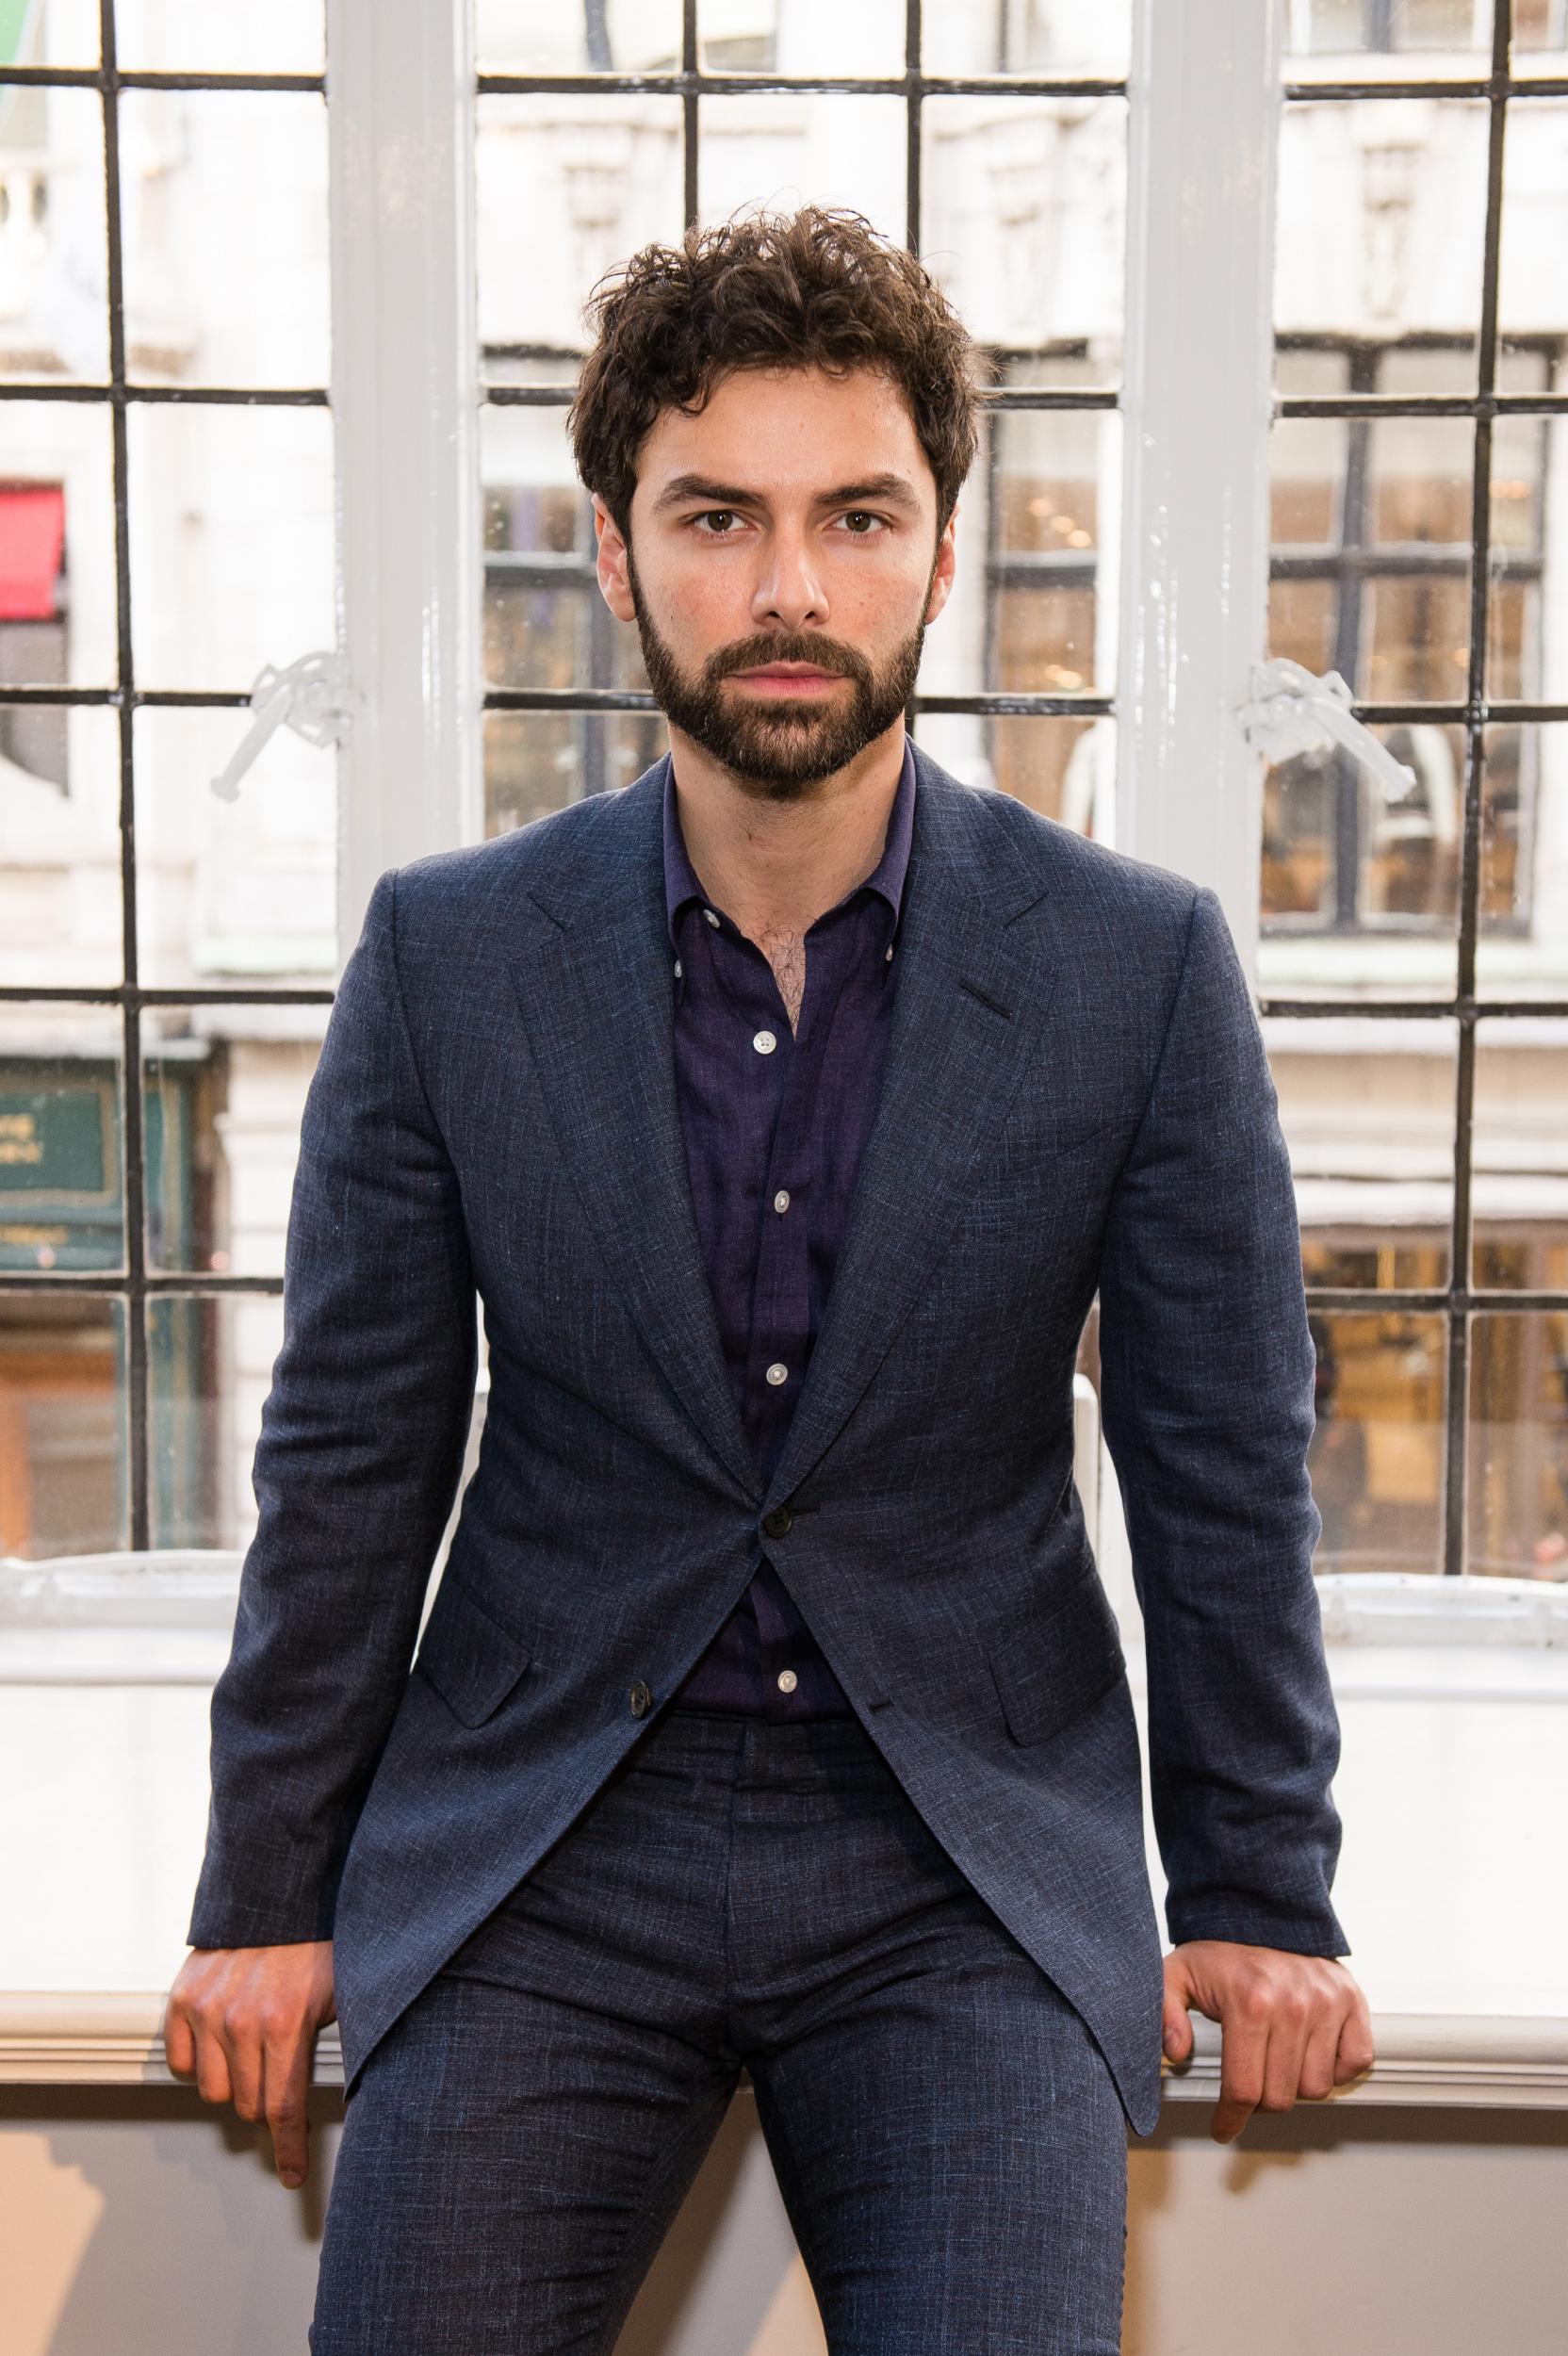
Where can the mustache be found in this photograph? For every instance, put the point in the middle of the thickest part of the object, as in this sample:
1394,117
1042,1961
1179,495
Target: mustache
754,654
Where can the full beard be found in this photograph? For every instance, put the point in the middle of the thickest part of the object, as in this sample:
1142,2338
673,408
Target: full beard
778,748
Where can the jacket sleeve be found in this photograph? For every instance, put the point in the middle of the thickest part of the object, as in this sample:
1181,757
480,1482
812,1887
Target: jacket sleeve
1207,1387
363,1436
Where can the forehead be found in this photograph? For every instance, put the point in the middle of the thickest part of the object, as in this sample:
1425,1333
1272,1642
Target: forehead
789,433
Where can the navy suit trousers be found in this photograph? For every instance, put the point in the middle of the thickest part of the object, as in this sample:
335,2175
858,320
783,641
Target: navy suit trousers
947,2136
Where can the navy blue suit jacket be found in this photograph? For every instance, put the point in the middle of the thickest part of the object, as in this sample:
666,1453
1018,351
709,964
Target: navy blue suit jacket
1075,1097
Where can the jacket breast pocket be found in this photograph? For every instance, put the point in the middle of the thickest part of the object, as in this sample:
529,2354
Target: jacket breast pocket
471,1660
1054,1658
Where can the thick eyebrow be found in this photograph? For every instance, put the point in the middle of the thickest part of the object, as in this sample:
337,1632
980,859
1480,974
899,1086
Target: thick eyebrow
887,490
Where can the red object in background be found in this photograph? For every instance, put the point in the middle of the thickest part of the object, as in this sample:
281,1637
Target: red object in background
32,541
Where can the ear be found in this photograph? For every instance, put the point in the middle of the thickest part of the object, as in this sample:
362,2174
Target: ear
611,565
942,571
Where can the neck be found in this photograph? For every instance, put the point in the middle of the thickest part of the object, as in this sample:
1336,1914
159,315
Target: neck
776,866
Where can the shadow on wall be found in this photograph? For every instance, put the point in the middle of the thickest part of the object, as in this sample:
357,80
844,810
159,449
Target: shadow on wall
143,2222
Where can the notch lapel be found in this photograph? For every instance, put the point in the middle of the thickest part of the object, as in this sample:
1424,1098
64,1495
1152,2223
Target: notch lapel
595,992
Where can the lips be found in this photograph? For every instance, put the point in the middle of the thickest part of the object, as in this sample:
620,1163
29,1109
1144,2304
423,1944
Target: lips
789,679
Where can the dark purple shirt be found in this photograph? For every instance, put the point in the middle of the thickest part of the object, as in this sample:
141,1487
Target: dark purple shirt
775,1124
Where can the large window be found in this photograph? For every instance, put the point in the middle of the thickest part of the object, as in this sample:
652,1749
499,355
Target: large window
169,403
1414,957
166,956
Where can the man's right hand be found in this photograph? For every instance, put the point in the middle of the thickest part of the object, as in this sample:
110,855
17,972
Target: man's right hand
242,2023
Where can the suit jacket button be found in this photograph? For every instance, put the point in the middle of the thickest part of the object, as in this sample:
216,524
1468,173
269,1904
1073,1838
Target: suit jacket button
778,1521
641,1698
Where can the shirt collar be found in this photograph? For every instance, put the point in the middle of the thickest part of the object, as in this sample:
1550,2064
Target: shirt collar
887,876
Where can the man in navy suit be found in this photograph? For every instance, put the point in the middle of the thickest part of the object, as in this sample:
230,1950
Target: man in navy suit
785,1112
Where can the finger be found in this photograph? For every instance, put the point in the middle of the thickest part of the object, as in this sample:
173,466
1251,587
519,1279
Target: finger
1287,2040
1318,2060
287,2081
242,2044
179,2045
1357,2051
1177,2031
212,2063
1243,2050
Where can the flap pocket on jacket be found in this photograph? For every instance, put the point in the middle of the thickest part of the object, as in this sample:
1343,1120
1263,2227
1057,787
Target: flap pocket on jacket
1055,1659
472,1662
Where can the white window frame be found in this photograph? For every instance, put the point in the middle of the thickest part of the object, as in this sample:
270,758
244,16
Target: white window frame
1204,109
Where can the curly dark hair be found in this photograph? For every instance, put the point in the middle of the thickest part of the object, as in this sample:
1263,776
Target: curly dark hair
816,288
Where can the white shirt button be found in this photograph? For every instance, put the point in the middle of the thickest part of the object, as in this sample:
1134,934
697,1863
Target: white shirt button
712,918
889,958
781,1200
677,968
787,1680
778,1371
764,1042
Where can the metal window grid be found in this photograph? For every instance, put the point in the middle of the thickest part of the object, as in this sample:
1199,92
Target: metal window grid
137,1284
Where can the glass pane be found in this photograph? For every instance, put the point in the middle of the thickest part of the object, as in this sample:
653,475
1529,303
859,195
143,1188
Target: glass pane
52,35
1523,948
62,1421
1368,1110
1518,1470
536,761
1532,277
804,149
569,187
1023,223
232,891
546,624
1526,655
1519,1445
1063,768
1051,476
588,36
225,1088
209,1366
193,36
56,304
1033,36
220,289
1345,41
60,920
1345,853
57,545
232,537
803,36
60,1200
1378,1450
1381,225
1519,1204
1387,603
1540,36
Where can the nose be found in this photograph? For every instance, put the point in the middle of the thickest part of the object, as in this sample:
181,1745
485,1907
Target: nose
789,592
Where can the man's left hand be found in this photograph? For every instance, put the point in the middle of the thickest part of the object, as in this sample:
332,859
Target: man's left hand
1290,2025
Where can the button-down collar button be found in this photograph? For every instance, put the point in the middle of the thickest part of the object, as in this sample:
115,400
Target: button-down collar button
787,1680
764,1042
777,1521
712,918
778,1371
781,1200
